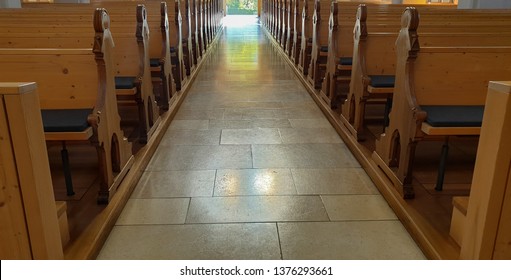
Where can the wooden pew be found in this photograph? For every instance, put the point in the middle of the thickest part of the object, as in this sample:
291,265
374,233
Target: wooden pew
284,23
186,38
319,51
163,66
297,35
341,39
372,77
338,68
133,78
77,85
211,24
306,42
271,16
384,20
175,20
30,229
132,57
439,93
290,26
276,19
485,228
207,21
203,44
196,50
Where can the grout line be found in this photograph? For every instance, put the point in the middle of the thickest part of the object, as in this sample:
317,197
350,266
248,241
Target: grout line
214,183
252,154
188,210
280,243
324,207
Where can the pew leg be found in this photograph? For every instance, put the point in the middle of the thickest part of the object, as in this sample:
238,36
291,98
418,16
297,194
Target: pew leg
407,158
67,170
142,116
441,167
388,107
104,192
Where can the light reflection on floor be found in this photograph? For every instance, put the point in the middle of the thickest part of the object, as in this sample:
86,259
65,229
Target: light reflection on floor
239,20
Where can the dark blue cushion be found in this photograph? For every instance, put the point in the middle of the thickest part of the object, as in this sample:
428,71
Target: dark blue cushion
323,49
65,120
346,60
449,116
154,62
124,82
172,49
382,81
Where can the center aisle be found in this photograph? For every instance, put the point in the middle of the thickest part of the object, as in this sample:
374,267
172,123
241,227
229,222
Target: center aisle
251,169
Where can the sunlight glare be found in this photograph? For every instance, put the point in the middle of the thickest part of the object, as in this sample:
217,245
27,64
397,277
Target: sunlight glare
239,20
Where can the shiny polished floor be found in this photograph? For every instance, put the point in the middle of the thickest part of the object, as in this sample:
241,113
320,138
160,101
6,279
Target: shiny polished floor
251,169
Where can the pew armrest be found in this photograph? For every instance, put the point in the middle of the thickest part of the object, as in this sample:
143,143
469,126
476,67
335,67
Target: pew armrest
439,131
69,136
380,90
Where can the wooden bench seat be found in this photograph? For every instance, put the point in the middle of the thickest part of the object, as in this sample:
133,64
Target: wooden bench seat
451,77
385,18
375,54
64,124
118,14
131,63
78,85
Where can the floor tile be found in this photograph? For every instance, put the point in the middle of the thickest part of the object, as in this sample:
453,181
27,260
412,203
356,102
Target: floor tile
250,209
270,123
309,135
189,124
193,242
238,182
191,137
190,114
303,155
248,104
160,184
310,123
357,207
181,157
369,240
333,181
245,124
250,136
154,211
299,113
255,114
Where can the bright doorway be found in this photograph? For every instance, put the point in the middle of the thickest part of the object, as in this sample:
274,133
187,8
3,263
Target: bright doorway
241,7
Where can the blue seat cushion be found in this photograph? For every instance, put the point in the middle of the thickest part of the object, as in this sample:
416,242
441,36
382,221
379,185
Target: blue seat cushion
65,120
451,116
382,81
172,49
346,60
323,49
154,62
124,82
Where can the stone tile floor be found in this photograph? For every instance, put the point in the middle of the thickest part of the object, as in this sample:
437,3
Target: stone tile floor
251,169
